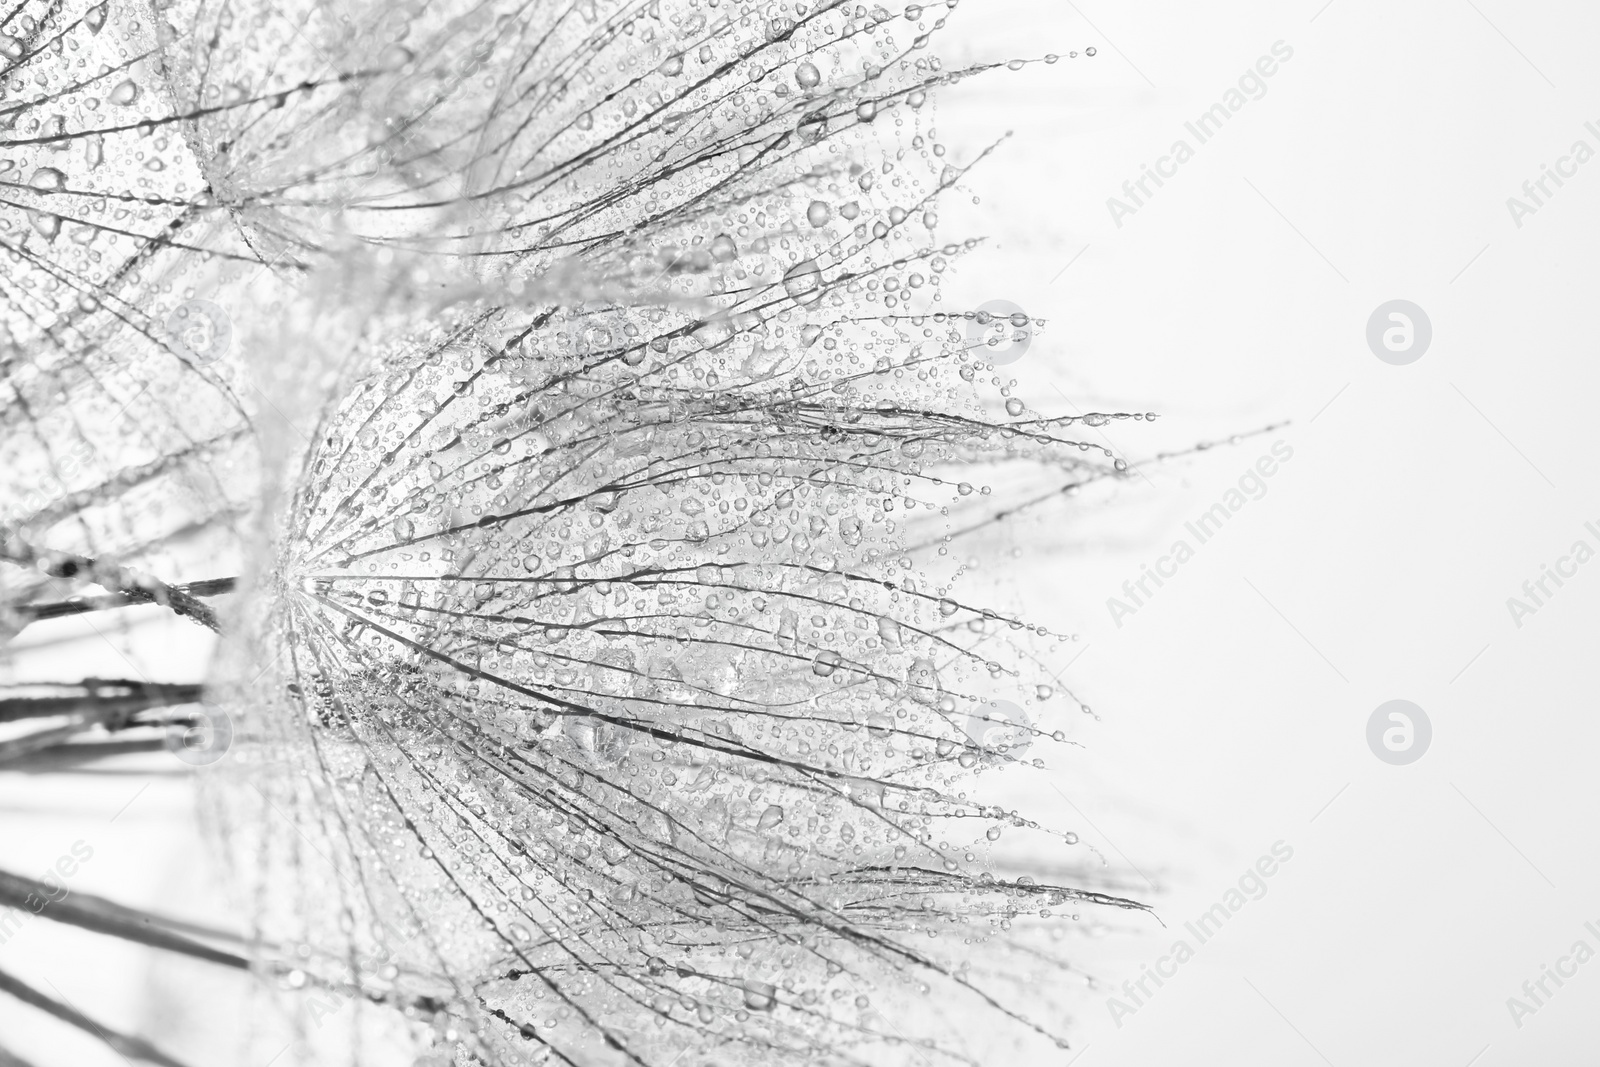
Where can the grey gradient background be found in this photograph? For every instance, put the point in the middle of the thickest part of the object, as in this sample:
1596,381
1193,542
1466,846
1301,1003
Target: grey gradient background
1376,166
1234,705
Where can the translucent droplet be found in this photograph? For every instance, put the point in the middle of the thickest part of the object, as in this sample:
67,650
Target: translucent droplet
803,281
48,180
759,996
922,681
125,93
807,76
712,332
395,57
1014,407
770,818
818,213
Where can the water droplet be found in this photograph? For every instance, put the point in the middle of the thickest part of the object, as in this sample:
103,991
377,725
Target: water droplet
395,57
712,332
95,18
813,127
1014,407
807,76
759,996
818,214
922,681
125,93
672,66
826,663
770,818
48,180
803,281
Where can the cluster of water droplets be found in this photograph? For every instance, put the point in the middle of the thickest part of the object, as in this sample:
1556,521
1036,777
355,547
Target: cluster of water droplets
613,691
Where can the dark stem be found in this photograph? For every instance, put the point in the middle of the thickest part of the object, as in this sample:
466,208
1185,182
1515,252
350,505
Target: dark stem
107,917
121,582
124,1044
97,701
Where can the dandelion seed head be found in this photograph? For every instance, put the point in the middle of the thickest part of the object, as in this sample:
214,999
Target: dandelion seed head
607,692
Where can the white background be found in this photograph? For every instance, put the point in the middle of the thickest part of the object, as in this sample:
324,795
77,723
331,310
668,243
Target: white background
1377,166
1233,706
